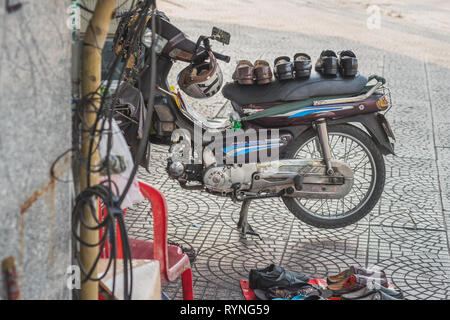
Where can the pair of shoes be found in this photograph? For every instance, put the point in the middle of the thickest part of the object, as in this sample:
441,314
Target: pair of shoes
275,276
329,64
356,270
375,295
371,290
247,73
300,68
290,292
354,283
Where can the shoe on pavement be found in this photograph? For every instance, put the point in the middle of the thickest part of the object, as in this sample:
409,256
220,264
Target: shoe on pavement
369,290
275,276
354,283
356,270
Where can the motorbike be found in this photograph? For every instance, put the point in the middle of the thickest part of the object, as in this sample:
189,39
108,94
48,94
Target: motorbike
317,143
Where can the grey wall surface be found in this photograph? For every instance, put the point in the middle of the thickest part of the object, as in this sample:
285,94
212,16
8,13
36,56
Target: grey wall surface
35,128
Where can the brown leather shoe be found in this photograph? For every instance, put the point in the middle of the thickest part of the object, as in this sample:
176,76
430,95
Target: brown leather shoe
355,282
263,72
244,72
356,270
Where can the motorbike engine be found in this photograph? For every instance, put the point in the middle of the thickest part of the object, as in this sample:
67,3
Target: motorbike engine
218,179
304,178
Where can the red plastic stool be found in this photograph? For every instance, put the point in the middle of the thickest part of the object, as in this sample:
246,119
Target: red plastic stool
172,261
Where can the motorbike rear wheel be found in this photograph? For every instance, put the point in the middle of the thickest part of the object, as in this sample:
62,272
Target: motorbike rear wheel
357,149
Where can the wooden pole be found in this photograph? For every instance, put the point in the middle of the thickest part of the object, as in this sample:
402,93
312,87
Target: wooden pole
91,77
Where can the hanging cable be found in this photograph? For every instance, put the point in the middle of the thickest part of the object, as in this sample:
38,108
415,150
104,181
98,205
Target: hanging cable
148,119
106,194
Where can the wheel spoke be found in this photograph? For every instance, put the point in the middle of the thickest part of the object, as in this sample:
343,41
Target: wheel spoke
352,151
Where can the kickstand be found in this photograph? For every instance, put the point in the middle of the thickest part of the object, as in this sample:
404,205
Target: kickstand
246,228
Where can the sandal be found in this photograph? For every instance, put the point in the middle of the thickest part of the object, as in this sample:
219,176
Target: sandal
263,74
327,64
244,72
348,64
302,65
283,68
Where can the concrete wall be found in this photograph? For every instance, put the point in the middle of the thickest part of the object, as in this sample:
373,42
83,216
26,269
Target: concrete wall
35,128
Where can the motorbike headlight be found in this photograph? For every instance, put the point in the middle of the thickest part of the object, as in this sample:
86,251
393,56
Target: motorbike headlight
147,38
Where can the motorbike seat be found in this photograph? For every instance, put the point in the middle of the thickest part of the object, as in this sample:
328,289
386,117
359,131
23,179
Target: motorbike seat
293,90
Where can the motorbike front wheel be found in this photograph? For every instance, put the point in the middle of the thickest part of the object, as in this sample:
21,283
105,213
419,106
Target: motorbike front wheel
354,147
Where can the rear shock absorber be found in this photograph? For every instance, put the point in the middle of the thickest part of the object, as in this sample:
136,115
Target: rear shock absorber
322,132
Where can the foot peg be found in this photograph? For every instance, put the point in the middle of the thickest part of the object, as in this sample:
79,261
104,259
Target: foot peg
298,180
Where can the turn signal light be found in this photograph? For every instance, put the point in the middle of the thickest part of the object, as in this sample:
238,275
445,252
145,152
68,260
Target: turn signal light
382,103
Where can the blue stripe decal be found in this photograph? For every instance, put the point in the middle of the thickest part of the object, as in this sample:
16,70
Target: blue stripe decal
246,144
246,148
306,111
245,151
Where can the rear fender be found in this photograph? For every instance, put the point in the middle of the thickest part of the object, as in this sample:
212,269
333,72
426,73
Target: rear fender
373,122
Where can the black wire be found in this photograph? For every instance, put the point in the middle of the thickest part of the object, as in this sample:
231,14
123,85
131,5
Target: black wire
85,9
111,213
148,120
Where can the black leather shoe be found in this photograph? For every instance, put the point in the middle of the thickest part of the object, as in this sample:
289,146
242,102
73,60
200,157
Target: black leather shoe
283,68
327,64
348,64
275,276
302,65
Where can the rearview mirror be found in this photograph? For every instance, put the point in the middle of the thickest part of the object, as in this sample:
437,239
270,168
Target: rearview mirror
221,35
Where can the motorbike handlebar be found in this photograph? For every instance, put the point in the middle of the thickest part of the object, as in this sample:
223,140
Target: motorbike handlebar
221,57
200,57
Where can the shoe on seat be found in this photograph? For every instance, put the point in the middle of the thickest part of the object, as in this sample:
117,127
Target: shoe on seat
302,89
263,72
302,65
244,72
283,68
327,64
348,64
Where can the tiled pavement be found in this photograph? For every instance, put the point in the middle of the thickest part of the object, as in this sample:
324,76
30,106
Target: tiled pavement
407,232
